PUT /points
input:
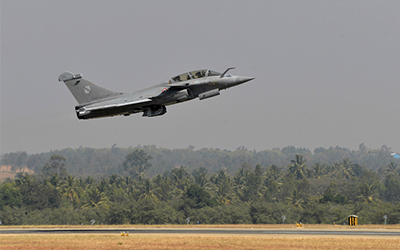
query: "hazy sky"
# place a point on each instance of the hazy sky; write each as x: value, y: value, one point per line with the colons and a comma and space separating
x: 327, y: 72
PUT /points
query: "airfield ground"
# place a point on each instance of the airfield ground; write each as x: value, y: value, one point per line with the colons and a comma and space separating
x: 271, y: 226
x: 201, y: 241
x: 193, y: 242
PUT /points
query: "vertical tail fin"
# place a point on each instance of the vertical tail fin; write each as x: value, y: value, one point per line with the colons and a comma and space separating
x: 83, y: 90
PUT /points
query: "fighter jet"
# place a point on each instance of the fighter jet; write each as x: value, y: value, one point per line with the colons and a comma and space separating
x: 96, y: 102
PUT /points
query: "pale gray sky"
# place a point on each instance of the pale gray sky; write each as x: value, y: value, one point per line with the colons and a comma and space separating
x: 327, y: 72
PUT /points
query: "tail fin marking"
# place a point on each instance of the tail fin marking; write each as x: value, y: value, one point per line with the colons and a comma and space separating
x: 83, y: 90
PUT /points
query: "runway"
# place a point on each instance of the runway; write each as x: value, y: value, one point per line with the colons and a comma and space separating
x: 208, y: 231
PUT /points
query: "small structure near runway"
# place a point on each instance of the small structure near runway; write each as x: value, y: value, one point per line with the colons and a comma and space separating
x: 353, y: 220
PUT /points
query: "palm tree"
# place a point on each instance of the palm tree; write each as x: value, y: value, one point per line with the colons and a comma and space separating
x: 164, y: 186
x: 248, y: 184
x: 113, y: 179
x: 318, y: 171
x: 298, y: 167
x: 347, y: 168
x: 89, y: 182
x: 296, y: 199
x: 148, y: 191
x: 103, y: 186
x: 56, y: 182
x: 71, y: 189
x: 95, y: 198
x: 273, y: 172
x: 200, y: 176
x: 125, y: 183
x: 368, y: 193
x: 240, y: 177
x: 180, y: 178
x: 82, y: 183
x: 221, y: 177
x: 334, y: 170
x: 243, y: 192
x: 23, y: 179
x: 391, y: 168
x: 223, y: 192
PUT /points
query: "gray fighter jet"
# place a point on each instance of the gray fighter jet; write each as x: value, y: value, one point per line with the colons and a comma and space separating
x: 95, y: 101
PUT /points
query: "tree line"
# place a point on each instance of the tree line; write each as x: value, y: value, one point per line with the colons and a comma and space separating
x: 107, y: 161
x: 299, y: 191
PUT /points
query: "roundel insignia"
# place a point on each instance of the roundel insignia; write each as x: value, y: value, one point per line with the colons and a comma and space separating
x: 164, y: 90
x: 87, y: 89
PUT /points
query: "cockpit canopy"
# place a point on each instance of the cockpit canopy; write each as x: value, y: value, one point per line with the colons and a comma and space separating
x: 195, y: 75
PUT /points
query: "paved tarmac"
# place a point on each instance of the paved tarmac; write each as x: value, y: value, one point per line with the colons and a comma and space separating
x: 301, y: 231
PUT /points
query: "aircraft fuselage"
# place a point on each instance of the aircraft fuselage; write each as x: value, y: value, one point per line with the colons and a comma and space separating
x: 95, y: 101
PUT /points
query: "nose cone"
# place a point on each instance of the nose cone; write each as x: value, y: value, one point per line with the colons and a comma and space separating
x: 243, y: 79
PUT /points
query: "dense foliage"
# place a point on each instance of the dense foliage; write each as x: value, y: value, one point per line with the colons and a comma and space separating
x: 149, y: 185
x: 97, y: 163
